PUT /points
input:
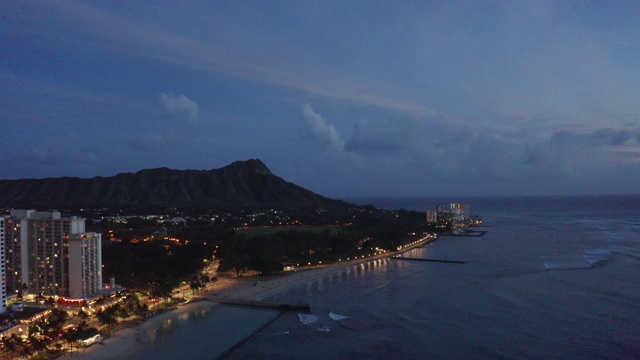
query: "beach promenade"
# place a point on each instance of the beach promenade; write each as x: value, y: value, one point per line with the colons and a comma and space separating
x: 125, y: 342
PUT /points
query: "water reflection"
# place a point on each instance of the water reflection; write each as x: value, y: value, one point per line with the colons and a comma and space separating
x: 167, y: 325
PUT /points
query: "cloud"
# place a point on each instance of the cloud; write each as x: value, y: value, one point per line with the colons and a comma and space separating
x: 221, y: 53
x: 322, y: 130
x: 381, y: 136
x: 600, y: 137
x: 179, y: 106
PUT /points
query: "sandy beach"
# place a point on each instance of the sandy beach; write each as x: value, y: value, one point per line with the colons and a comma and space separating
x: 125, y: 342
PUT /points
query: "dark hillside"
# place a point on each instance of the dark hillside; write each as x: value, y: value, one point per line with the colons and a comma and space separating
x: 241, y: 184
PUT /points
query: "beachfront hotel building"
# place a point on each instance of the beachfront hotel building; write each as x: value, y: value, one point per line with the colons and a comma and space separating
x: 461, y: 211
x: 432, y: 216
x: 3, y: 275
x: 85, y: 261
x: 51, y: 255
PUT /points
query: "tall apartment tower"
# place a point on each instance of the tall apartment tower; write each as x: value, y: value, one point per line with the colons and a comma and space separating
x: 85, y: 263
x: 41, y: 258
x: 3, y: 274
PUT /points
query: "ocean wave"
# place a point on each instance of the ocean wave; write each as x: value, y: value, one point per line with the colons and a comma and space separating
x: 589, y: 259
x: 565, y: 263
x: 307, y: 318
x: 312, y: 321
x: 628, y: 251
x: 337, y: 317
x: 597, y: 256
x: 280, y: 333
x: 612, y: 235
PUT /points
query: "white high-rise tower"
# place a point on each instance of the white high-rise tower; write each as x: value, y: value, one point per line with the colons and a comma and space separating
x: 42, y: 255
x: 3, y: 275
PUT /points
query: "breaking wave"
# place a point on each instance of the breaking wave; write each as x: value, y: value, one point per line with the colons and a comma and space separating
x: 337, y: 317
x: 597, y: 256
x: 280, y: 333
x: 312, y: 321
x: 588, y: 259
x: 307, y: 319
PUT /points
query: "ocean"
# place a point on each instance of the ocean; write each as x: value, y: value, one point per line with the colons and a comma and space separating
x: 553, y: 278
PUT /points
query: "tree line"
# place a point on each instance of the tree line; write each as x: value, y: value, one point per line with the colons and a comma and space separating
x: 160, y: 265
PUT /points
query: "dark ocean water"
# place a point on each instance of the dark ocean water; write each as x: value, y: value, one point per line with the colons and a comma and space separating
x: 553, y: 278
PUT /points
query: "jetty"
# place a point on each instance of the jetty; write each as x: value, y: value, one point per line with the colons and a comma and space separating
x: 282, y: 306
x: 465, y: 233
x: 234, y: 347
x: 429, y: 260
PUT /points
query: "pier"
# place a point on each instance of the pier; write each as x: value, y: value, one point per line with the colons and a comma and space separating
x: 300, y: 306
x: 429, y: 260
x: 234, y: 347
x: 466, y: 233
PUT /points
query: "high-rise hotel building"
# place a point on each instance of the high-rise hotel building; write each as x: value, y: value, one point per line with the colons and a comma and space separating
x: 461, y: 211
x: 3, y: 274
x: 51, y: 255
x: 85, y: 264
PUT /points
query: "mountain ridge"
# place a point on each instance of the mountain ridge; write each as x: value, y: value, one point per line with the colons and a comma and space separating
x: 240, y: 184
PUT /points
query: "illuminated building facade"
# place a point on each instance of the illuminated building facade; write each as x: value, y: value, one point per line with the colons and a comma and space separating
x: 444, y: 216
x: 85, y: 261
x: 38, y: 255
x: 432, y: 216
x: 3, y: 273
x: 461, y: 211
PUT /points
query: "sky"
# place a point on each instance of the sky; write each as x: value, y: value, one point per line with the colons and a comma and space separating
x: 345, y: 98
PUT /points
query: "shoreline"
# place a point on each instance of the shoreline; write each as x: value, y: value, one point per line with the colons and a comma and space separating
x: 127, y: 341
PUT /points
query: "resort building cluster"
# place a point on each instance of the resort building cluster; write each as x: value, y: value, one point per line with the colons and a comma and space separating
x: 452, y: 216
x: 49, y: 262
x: 47, y: 254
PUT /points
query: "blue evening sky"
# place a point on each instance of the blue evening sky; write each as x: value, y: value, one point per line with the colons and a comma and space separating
x: 345, y: 98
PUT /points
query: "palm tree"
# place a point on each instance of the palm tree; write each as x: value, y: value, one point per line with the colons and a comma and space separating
x: 107, y: 318
x: 18, y: 342
x: 69, y: 337
x: 141, y: 310
x: 121, y: 311
x: 8, y: 346
x: 83, y: 331
x: 83, y: 315
x: 54, y: 323
x: 83, y: 327
x: 129, y: 302
x: 204, y: 279
x: 50, y: 302
x: 33, y: 341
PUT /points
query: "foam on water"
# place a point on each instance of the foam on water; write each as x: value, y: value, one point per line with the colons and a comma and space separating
x: 565, y: 262
x: 597, y: 256
x: 589, y: 259
x: 312, y: 321
x: 280, y: 333
x: 594, y: 260
x: 337, y: 317
x: 307, y: 318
